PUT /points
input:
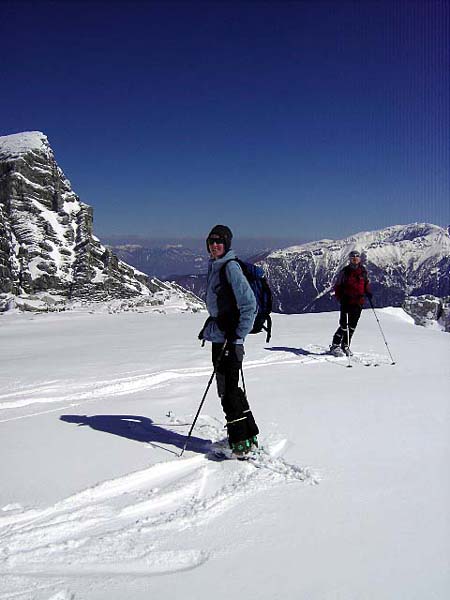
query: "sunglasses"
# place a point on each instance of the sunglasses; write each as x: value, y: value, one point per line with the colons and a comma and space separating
x: 216, y: 240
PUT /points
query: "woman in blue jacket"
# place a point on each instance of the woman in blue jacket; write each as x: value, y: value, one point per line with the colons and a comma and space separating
x: 232, y: 308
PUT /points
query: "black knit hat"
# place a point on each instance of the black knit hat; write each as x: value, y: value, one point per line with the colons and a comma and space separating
x: 223, y: 232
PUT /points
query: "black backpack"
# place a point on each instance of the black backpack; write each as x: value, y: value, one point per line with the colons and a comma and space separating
x: 263, y: 295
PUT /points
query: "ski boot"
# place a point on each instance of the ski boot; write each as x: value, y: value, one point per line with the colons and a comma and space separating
x: 346, y: 350
x: 336, y: 350
x: 242, y: 449
x: 254, y: 441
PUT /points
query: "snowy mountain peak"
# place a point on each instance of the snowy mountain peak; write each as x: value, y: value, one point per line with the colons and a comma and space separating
x: 366, y: 240
x: 15, y: 145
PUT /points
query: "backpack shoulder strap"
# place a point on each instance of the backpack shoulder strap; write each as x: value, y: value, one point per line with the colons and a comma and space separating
x: 223, y: 271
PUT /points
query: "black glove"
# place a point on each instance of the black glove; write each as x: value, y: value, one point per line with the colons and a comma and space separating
x: 200, y: 335
x: 369, y: 295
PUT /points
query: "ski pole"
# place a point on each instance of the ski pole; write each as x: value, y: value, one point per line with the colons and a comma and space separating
x: 348, y: 343
x: 379, y: 325
x: 219, y: 358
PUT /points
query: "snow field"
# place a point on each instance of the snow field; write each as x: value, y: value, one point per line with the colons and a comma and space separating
x: 94, y: 410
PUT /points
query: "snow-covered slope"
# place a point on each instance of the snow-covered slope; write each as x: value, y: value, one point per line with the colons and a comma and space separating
x: 95, y: 502
x: 46, y: 233
x: 403, y: 260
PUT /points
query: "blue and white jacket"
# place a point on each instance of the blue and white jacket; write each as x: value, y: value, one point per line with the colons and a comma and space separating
x: 245, y: 298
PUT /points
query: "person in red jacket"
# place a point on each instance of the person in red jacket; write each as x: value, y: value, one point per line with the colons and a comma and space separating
x: 351, y: 286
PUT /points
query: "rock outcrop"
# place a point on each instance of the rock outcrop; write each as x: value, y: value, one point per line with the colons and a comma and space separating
x: 47, y: 244
x: 429, y: 311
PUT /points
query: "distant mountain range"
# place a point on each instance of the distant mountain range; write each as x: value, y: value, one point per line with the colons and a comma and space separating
x: 173, y: 259
x: 47, y: 245
x: 402, y: 261
x: 166, y: 262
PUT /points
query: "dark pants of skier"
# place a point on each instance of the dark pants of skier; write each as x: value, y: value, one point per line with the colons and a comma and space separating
x: 240, y: 422
x: 352, y: 312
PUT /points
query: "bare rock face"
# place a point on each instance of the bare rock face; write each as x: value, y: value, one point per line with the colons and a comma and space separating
x: 429, y: 311
x: 46, y: 233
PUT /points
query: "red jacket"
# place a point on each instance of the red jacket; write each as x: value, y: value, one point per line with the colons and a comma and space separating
x: 351, y: 285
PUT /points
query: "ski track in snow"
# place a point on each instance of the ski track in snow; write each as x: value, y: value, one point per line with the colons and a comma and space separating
x: 132, y: 525
x: 58, y: 391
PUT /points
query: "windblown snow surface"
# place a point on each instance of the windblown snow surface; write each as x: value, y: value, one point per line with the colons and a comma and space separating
x: 95, y: 503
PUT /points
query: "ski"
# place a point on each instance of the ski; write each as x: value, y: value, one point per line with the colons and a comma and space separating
x: 365, y: 362
x: 353, y: 358
x: 221, y: 451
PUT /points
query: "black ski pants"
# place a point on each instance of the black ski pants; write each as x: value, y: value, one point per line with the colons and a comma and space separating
x: 350, y: 314
x: 240, y: 422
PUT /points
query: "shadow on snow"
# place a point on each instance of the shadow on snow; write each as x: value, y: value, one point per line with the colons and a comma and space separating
x: 303, y: 352
x: 296, y: 351
x: 139, y: 429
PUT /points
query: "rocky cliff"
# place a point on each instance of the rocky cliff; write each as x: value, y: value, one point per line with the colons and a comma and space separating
x: 47, y: 243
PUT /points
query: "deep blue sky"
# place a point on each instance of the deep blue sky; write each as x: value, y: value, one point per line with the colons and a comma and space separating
x: 311, y: 119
